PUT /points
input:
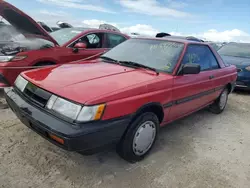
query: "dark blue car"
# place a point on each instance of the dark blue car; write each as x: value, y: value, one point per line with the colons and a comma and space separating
x: 238, y: 54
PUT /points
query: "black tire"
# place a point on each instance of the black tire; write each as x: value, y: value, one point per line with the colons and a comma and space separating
x: 216, y: 108
x: 125, y: 148
x: 87, y: 152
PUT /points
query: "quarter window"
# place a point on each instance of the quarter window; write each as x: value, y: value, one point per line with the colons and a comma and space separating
x: 202, y: 55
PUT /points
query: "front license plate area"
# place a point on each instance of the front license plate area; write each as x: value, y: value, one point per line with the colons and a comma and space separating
x: 38, y: 130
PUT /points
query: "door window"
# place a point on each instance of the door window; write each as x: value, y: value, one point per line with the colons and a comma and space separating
x: 93, y: 40
x: 202, y: 55
x: 114, y: 39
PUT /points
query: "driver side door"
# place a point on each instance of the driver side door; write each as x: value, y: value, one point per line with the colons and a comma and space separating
x: 192, y: 92
x: 94, y: 48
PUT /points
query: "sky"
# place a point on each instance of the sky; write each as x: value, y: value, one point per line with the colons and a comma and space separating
x: 216, y: 20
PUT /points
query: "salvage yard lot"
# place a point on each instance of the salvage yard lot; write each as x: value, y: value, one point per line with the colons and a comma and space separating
x: 202, y: 150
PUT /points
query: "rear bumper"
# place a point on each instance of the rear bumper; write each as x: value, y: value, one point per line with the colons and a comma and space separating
x: 84, y: 137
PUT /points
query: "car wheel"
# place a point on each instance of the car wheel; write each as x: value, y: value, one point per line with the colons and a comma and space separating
x: 139, y: 138
x: 219, y: 105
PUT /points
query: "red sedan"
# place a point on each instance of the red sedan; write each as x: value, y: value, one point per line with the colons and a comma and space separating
x: 123, y: 97
x: 36, y: 47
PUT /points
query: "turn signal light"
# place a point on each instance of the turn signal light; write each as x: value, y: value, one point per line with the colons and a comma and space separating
x: 56, y: 138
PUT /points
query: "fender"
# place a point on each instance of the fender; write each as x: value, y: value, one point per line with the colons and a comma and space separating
x: 155, y: 107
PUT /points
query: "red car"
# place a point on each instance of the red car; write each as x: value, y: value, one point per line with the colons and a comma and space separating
x: 124, y: 96
x: 36, y: 47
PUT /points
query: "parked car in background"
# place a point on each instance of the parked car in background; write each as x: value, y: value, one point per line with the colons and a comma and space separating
x: 35, y: 47
x: 238, y: 54
x: 216, y: 45
x: 61, y: 25
x: 123, y: 97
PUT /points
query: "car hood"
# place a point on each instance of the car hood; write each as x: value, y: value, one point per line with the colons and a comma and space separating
x: 86, y: 82
x: 238, y: 61
x: 10, y: 48
x: 23, y: 23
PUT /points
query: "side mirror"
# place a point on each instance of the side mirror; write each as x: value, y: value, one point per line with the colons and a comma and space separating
x: 80, y: 45
x: 191, y: 68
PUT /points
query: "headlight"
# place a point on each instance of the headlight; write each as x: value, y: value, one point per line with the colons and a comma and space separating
x: 18, y: 57
x: 63, y: 107
x: 90, y: 113
x: 21, y: 83
x: 75, y: 111
x: 248, y: 68
x: 5, y: 58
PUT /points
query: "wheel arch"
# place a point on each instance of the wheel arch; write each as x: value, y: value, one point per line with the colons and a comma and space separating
x: 154, y: 107
x: 230, y: 87
x: 44, y: 62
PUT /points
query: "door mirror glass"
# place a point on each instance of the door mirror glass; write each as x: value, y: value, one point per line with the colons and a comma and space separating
x: 191, y: 68
x: 80, y: 45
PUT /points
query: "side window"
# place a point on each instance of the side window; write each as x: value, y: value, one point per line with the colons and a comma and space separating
x: 114, y: 39
x: 93, y: 40
x: 213, y: 61
x: 201, y: 55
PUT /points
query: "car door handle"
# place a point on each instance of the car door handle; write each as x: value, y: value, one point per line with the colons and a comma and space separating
x: 211, y: 77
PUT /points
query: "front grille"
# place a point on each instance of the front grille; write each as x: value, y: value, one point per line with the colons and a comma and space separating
x: 36, y: 95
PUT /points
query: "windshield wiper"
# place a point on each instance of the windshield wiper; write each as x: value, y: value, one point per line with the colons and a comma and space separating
x: 109, y: 59
x: 139, y: 65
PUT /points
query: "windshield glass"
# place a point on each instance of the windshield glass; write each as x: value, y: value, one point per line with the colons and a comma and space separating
x: 64, y: 35
x: 158, y: 54
x: 235, y: 49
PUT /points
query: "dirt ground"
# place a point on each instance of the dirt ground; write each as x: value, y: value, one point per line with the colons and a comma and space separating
x: 201, y: 151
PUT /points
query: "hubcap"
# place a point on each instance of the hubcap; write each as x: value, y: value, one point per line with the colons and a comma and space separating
x: 144, y: 138
x: 223, y: 99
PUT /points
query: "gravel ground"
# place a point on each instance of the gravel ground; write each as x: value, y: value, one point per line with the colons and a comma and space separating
x: 203, y: 150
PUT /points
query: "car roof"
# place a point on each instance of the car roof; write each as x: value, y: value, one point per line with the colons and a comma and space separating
x: 86, y: 29
x: 173, y: 39
x: 190, y: 38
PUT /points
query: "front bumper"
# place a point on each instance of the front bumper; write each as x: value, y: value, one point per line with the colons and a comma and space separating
x: 85, y: 137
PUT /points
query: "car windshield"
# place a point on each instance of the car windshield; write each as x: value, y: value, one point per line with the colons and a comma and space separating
x: 159, y: 54
x: 236, y: 49
x: 64, y: 35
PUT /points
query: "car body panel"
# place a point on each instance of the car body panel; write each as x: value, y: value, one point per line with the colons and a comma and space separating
x: 54, y: 55
x: 111, y: 84
x: 188, y: 85
x: 127, y: 90
x: 96, y: 79
x: 37, y: 53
